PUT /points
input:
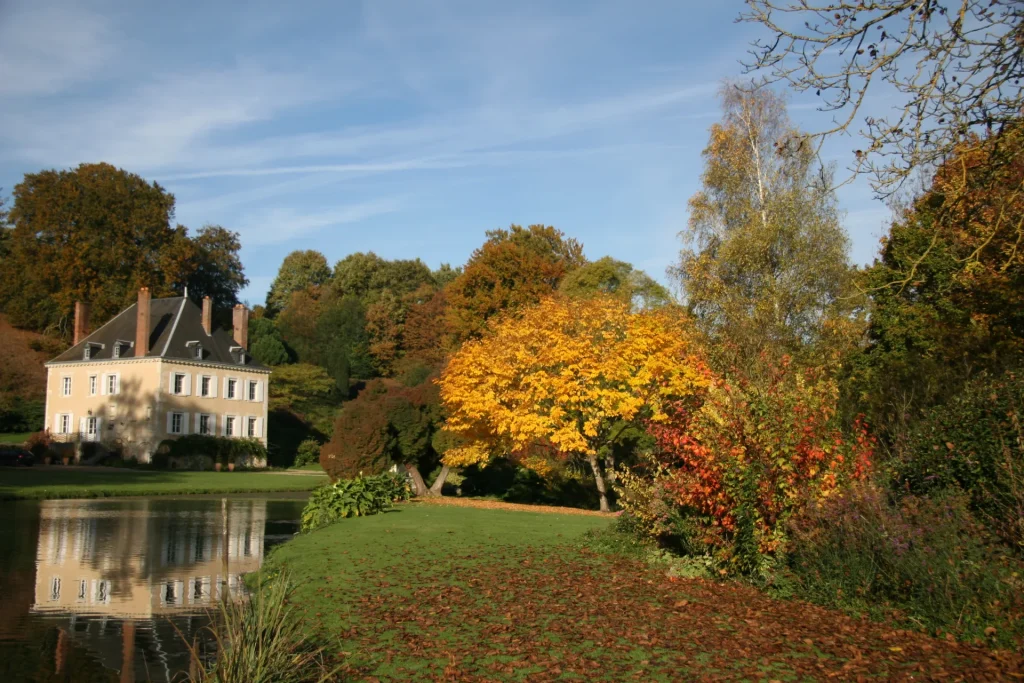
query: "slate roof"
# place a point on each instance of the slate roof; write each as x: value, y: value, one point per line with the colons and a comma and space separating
x: 173, y: 322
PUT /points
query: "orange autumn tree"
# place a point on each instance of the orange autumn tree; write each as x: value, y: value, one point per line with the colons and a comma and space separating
x: 566, y: 377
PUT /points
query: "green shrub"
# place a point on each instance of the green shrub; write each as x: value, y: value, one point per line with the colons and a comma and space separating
x: 307, y: 453
x: 927, y: 559
x: 269, y: 350
x: 19, y: 414
x: 357, y: 497
x: 39, y: 444
x: 504, y: 479
x: 194, y: 448
x: 89, y: 450
x: 975, y: 442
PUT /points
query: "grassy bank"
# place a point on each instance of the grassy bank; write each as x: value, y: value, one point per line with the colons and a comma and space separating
x: 16, y: 438
x: 73, y: 482
x: 431, y: 592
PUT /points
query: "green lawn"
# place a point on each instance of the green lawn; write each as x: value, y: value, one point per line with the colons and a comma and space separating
x: 17, y: 437
x: 73, y: 482
x: 450, y: 593
x: 311, y: 467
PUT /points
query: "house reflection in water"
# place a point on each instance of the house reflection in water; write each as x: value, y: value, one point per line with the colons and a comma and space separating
x: 146, y: 568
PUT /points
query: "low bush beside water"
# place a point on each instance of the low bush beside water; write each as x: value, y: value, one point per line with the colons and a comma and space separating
x: 356, y: 497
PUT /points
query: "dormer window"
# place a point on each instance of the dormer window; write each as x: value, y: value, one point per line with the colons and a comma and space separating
x: 238, y: 353
x: 120, y: 346
x: 90, y: 349
x: 195, y: 349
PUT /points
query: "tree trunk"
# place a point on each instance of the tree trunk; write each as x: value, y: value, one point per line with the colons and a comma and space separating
x: 419, y: 487
x: 599, y: 480
x: 609, y: 467
x: 435, y: 488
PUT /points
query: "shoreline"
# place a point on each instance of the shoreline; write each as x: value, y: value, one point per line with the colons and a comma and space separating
x: 54, y: 483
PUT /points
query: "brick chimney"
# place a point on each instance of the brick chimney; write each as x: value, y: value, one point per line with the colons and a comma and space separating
x: 142, y: 324
x: 208, y: 315
x: 81, y: 321
x: 240, y: 320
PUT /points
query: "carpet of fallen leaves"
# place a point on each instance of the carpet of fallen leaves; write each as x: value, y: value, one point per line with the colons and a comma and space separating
x: 484, y: 504
x: 565, y: 613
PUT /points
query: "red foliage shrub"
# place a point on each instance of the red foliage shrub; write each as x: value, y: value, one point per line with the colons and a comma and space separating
x: 740, y: 459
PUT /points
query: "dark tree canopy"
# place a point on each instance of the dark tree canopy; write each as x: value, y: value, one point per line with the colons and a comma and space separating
x: 297, y: 323
x: 97, y: 233
x: 949, y: 322
x: 342, y: 342
x: 618, y: 279
x: 387, y: 424
x: 214, y: 269
x: 514, y: 267
x: 367, y: 276
x: 299, y: 270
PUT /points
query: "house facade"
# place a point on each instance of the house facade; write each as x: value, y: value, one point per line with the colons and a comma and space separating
x: 158, y: 370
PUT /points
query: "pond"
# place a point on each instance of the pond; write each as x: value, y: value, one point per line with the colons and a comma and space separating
x: 112, y: 589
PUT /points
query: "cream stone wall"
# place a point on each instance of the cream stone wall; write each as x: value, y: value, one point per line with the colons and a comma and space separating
x: 191, y: 404
x: 128, y: 414
x: 148, y: 405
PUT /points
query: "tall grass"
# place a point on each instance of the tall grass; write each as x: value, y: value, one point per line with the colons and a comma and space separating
x: 260, y: 640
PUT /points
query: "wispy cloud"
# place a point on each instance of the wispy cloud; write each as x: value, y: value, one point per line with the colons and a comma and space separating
x: 46, y: 47
x: 281, y: 224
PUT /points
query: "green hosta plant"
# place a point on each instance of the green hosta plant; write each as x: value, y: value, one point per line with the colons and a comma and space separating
x: 353, y: 498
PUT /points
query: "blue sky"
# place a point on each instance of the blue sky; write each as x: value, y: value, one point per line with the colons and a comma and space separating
x: 405, y: 128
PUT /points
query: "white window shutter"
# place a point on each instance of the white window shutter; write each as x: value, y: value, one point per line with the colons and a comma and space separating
x: 224, y: 427
x: 184, y: 423
x: 213, y: 386
x: 195, y: 422
x: 199, y: 385
x: 188, y: 385
x: 225, y: 387
x: 81, y: 426
x: 213, y: 425
x: 259, y: 391
x: 170, y: 416
x: 99, y: 429
x: 259, y: 427
x: 170, y: 382
x: 117, y: 382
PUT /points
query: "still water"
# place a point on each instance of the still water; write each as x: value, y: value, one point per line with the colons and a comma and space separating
x: 112, y: 589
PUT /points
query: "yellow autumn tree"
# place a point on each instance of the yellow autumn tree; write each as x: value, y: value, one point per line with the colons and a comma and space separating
x: 567, y: 377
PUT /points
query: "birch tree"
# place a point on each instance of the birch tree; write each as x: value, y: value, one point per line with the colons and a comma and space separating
x: 764, y: 268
